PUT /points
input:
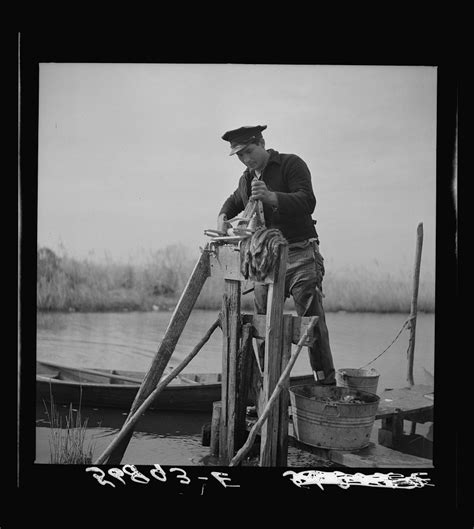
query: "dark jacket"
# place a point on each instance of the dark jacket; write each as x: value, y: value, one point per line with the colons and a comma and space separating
x: 289, y: 177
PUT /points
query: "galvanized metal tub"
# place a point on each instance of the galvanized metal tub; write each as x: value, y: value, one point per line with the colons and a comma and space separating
x: 321, y: 418
x: 361, y: 379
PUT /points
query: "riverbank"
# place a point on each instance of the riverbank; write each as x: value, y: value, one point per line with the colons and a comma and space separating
x: 65, y: 284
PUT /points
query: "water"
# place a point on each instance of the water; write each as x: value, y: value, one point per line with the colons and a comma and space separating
x: 130, y: 340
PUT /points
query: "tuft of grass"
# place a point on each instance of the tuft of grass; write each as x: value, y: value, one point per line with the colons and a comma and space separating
x: 67, y: 440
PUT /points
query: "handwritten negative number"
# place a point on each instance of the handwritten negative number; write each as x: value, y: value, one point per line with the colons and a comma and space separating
x: 131, y: 470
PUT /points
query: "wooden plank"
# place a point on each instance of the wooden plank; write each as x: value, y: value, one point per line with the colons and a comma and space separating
x: 244, y: 376
x: 215, y: 427
x: 372, y: 456
x: 231, y: 315
x: 259, y: 322
x: 282, y: 446
x: 391, y: 431
x: 225, y: 380
x: 272, y: 368
x: 378, y: 456
x: 175, y: 327
x: 225, y: 262
x: 405, y: 401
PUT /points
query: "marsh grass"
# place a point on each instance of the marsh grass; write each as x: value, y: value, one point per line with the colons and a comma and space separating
x: 67, y: 442
x: 68, y: 285
x: 361, y: 290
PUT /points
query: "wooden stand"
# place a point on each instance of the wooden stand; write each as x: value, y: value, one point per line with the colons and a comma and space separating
x: 279, y: 331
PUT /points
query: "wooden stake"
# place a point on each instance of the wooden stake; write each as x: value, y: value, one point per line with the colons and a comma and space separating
x: 270, y: 404
x: 231, y: 339
x: 282, y: 446
x: 173, y: 332
x: 132, y: 419
x: 244, y: 373
x: 272, y: 364
x: 414, y: 304
x: 215, y: 427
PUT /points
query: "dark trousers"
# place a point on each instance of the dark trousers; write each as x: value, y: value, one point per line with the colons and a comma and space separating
x: 304, y: 275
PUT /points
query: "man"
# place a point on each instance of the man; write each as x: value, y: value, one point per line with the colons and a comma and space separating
x: 282, y: 182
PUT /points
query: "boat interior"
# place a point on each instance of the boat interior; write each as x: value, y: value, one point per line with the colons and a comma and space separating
x: 114, y: 376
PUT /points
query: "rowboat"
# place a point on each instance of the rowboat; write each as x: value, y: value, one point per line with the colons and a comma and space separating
x: 103, y: 388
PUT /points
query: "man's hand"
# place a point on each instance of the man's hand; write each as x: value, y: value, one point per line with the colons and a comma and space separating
x: 223, y: 224
x: 261, y: 192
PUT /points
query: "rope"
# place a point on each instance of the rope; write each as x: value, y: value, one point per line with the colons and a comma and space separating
x: 259, y: 252
x: 407, y: 322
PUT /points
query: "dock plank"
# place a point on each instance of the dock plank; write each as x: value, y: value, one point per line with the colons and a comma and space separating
x: 372, y: 456
x: 405, y: 401
x: 378, y: 456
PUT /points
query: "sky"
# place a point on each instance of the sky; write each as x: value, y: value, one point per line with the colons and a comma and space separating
x: 130, y: 156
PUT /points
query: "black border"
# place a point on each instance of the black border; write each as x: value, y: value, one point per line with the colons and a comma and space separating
x: 46, y: 481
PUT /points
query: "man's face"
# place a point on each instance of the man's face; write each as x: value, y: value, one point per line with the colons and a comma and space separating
x: 253, y: 156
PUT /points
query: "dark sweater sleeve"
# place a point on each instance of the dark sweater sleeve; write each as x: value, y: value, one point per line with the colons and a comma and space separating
x: 233, y: 205
x: 300, y: 199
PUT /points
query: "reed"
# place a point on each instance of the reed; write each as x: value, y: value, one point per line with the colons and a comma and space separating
x: 67, y: 440
x: 67, y: 284
x: 362, y: 290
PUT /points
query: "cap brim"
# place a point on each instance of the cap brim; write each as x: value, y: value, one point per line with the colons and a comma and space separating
x: 237, y: 148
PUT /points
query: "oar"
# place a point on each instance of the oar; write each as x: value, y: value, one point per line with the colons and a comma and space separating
x: 131, y: 421
x: 276, y: 392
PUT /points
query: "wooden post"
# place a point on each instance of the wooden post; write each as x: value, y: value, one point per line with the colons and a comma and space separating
x: 215, y: 427
x: 272, y: 368
x: 231, y: 336
x: 244, y: 374
x: 414, y: 304
x: 282, y: 446
x: 391, y: 431
x: 175, y: 327
x: 263, y: 419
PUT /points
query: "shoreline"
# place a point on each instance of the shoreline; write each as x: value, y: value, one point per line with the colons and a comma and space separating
x: 171, y: 308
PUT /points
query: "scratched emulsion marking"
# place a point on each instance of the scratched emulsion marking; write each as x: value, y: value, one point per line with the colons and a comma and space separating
x: 391, y: 480
x: 156, y: 472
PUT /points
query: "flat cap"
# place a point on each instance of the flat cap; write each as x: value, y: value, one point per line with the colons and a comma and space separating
x: 241, y: 137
